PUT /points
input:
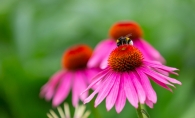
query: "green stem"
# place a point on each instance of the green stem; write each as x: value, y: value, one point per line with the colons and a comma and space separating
x: 139, y: 111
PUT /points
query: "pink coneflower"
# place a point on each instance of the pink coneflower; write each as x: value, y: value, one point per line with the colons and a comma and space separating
x: 125, y: 28
x: 127, y: 76
x: 74, y: 75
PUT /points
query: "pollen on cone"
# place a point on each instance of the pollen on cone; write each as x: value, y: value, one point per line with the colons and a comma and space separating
x: 125, y: 28
x: 125, y: 58
x: 76, y: 57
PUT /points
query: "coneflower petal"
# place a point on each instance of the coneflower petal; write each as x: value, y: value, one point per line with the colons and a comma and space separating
x: 82, y: 84
x: 75, y: 91
x: 97, y: 89
x: 155, y: 75
x: 149, y: 103
x: 112, y: 96
x: 107, y: 85
x: 161, y: 77
x: 150, y: 93
x: 140, y: 91
x: 121, y: 99
x: 172, y: 80
x: 130, y: 91
x: 148, y: 51
x: 104, y: 62
x: 99, y: 53
x: 162, y: 84
x: 159, y: 66
x: 63, y: 89
x: 97, y: 78
x: 48, y: 89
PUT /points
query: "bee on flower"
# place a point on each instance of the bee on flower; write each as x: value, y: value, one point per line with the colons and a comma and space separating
x: 128, y: 29
x: 74, y: 76
x: 127, y: 76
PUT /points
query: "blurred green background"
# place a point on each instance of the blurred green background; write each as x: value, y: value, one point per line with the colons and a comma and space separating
x: 35, y: 33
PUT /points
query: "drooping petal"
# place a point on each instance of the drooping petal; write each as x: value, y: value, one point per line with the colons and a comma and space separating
x: 121, y: 99
x: 149, y: 103
x: 90, y: 97
x: 97, y: 78
x: 130, y: 91
x: 160, y: 66
x: 112, y: 96
x: 49, y: 88
x: 161, y: 71
x: 75, y: 92
x: 82, y: 80
x: 107, y: 85
x: 63, y: 89
x: 172, y: 80
x: 140, y: 91
x: 150, y: 93
x: 162, y: 84
x: 99, y: 53
x: 148, y: 51
x: 104, y: 80
x: 161, y: 77
x: 104, y: 62
x: 79, y: 85
x: 90, y: 73
x: 155, y: 75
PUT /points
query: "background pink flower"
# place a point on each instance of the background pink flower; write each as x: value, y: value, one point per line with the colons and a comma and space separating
x: 74, y: 75
x: 124, y: 28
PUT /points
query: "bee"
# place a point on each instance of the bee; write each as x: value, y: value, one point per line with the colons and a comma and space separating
x: 124, y: 40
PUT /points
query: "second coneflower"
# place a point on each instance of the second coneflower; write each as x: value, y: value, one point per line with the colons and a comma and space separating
x: 127, y: 76
x: 74, y: 75
x: 123, y: 29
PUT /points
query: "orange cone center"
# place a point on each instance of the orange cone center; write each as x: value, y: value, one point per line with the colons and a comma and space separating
x: 125, y: 58
x: 76, y: 57
x: 128, y: 28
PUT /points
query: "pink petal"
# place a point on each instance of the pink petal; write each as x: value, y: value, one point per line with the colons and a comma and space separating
x: 140, y: 91
x: 148, y: 51
x: 121, y: 99
x: 160, y: 66
x: 82, y: 80
x: 149, y: 103
x: 170, y: 79
x: 160, y: 77
x: 106, y: 86
x: 99, y: 53
x: 88, y: 99
x: 79, y: 85
x: 90, y: 73
x: 155, y: 75
x: 162, y: 85
x: 150, y: 93
x: 112, y: 96
x: 48, y: 89
x: 63, y: 89
x: 104, y: 63
x: 97, y: 78
x: 130, y: 91
x: 161, y: 71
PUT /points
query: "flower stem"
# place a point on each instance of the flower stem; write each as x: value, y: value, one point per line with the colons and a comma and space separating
x: 139, y: 111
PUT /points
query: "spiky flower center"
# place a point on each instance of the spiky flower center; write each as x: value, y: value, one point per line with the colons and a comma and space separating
x: 76, y: 57
x: 125, y: 28
x: 124, y: 58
